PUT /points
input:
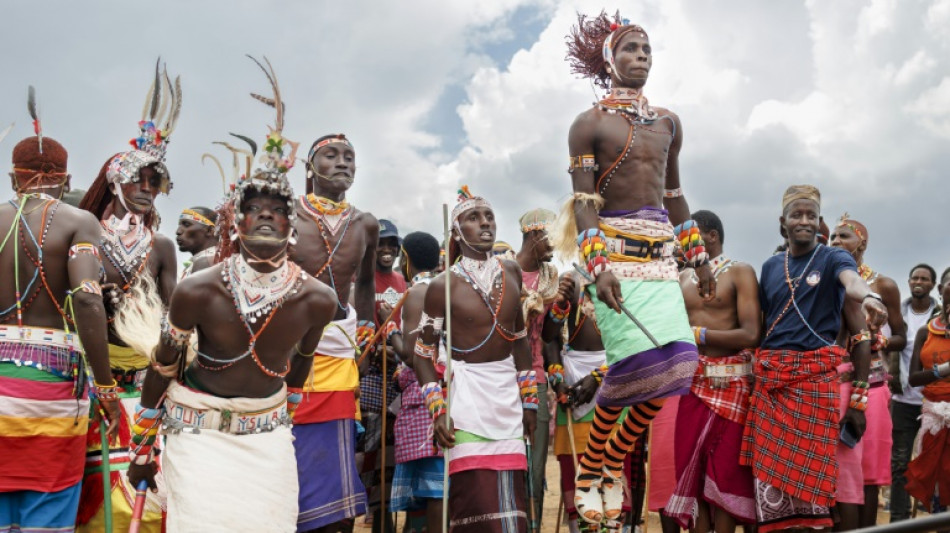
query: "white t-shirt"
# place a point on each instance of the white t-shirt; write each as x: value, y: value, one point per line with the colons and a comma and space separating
x: 911, y: 395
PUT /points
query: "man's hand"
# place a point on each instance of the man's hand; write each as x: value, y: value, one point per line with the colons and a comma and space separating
x: 444, y: 436
x: 856, y: 419
x: 110, y: 409
x: 707, y: 283
x: 530, y: 423
x: 608, y: 290
x: 385, y: 310
x: 874, y: 312
x: 147, y: 472
x: 585, y: 390
x: 565, y: 290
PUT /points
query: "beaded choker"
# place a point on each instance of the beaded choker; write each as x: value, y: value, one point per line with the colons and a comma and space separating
x: 329, y: 212
x: 128, y: 250
x: 629, y: 101
x: 938, y: 328
x: 422, y: 277
x: 255, y: 293
x: 866, y: 273
x: 482, y: 275
x: 719, y: 265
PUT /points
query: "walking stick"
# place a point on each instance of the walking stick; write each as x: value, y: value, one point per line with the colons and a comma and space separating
x: 560, y: 513
x: 646, y: 487
x: 448, y: 369
x: 106, y: 474
x: 139, y: 507
x: 531, y: 514
x: 382, y: 463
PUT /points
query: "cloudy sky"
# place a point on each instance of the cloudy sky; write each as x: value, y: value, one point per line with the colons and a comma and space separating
x: 852, y: 96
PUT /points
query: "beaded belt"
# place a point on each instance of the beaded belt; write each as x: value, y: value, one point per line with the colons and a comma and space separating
x: 49, y: 350
x: 733, y: 370
x: 181, y: 418
x: 641, y: 249
x: 130, y: 378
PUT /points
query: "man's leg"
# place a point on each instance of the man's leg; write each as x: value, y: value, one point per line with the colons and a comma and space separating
x: 539, y: 451
x: 906, y: 425
x: 617, y: 448
x: 434, y: 516
x: 590, y: 466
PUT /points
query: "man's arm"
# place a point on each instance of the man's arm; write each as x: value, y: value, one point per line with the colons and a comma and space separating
x: 858, y: 292
x: 365, y: 290
x: 411, y: 313
x: 434, y: 308
x: 580, y: 142
x: 167, y: 267
x: 748, y: 312
x: 892, y: 301
x: 860, y: 358
x: 321, y: 308
x: 677, y: 207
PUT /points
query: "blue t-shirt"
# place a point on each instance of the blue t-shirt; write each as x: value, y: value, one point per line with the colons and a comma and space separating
x: 818, y: 294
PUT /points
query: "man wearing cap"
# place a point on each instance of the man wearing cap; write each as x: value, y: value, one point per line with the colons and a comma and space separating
x: 792, y: 426
x: 195, y: 235
x: 44, y: 393
x: 390, y: 287
x: 539, y: 284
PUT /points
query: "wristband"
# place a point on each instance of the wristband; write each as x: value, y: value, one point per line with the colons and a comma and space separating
x: 364, y: 332
x: 872, y: 294
x: 941, y: 370
x: 144, y: 433
x: 879, y: 342
x: 424, y: 350
x: 555, y: 374
x: 435, y: 403
x: 862, y: 336
x: 859, y: 395
x: 700, y: 335
x: 694, y: 248
x: 593, y: 245
x: 107, y: 392
x: 391, y: 329
x: 294, y: 397
x: 558, y: 314
x: 599, y: 373
x: 528, y: 383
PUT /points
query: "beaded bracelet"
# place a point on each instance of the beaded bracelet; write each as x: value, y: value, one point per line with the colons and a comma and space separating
x: 593, y: 245
x: 555, y: 374
x: 432, y: 392
x: 424, y: 350
x: 558, y: 313
x: 942, y: 370
x: 391, y: 329
x: 144, y: 433
x: 528, y: 383
x: 694, y: 248
x: 879, y: 343
x: 294, y: 397
x: 175, y: 337
x: 599, y: 373
x: 107, y: 392
x: 862, y: 336
x: 859, y: 395
x: 365, y: 329
x: 700, y: 335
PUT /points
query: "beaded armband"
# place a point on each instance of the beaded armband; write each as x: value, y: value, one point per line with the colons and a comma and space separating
x: 558, y: 314
x: 435, y: 403
x: 424, y: 350
x: 294, y: 397
x: 859, y: 395
x: 599, y: 373
x: 427, y: 320
x: 89, y: 285
x: 390, y: 330
x: 586, y: 162
x: 862, y: 336
x: 555, y: 374
x: 365, y: 330
x: 593, y: 245
x: 673, y: 193
x: 175, y: 337
x: 301, y: 354
x: 144, y: 433
x: 699, y: 334
x: 83, y: 248
x: 694, y: 249
x: 528, y: 383
x: 107, y: 393
x: 942, y: 370
x: 878, y: 342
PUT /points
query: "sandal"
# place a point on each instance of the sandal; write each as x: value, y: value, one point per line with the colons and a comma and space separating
x: 612, y: 489
x: 587, y: 499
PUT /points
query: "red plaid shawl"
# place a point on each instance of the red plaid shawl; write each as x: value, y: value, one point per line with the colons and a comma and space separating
x: 792, y: 430
x: 730, y: 401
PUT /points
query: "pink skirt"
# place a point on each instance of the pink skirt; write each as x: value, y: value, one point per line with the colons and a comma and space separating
x: 850, y: 469
x: 877, y: 440
x: 662, y: 459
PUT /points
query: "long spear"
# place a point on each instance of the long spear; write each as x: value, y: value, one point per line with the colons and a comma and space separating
x: 448, y: 367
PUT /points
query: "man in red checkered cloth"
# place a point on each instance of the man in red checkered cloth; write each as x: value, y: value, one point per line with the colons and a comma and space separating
x: 793, y: 424
x: 712, y: 488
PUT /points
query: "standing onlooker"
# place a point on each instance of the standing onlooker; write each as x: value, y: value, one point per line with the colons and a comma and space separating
x: 905, y: 404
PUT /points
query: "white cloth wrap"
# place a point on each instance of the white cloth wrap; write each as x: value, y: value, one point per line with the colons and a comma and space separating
x: 222, y: 482
x: 579, y: 364
x: 663, y: 268
x: 486, y: 399
x: 339, y: 336
x: 934, y: 417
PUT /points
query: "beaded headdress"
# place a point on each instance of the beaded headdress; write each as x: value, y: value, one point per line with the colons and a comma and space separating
x: 466, y: 201
x: 536, y: 219
x: 270, y: 177
x: 858, y: 228
x: 159, y: 119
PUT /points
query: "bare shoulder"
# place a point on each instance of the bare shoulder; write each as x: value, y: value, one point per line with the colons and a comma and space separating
x: 367, y: 220
x: 319, y: 296
x: 664, y: 112
x: 199, y: 286
x: 743, y: 271
x: 586, y: 121
x: 512, y: 267
x: 163, y: 244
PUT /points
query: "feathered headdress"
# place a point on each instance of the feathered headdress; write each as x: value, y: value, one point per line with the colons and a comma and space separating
x: 590, y: 46
x: 271, y: 177
x: 466, y: 201
x: 159, y: 119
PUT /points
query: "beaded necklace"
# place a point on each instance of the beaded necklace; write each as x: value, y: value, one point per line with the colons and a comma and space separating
x: 329, y: 212
x: 258, y: 293
x: 720, y: 265
x: 938, y: 328
x: 792, y: 287
x: 49, y: 207
x: 483, y: 277
x: 423, y: 277
x: 128, y: 252
x: 316, y: 211
x: 18, y: 224
x: 867, y: 274
x: 234, y: 283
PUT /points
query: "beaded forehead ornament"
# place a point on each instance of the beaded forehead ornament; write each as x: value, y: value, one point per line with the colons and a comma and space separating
x: 159, y: 119
x: 466, y: 202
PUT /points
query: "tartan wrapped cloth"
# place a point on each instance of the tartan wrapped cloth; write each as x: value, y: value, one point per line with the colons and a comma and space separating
x: 792, y: 427
x: 728, y: 397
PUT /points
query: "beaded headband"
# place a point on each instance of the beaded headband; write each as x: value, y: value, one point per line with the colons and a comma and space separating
x: 858, y: 228
x: 536, y: 219
x: 617, y: 31
x: 466, y: 202
x: 194, y: 216
x: 339, y: 138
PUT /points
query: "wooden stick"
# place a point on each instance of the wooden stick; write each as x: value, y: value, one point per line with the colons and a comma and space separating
x: 382, y: 327
x: 646, y: 487
x: 560, y: 513
x: 139, y: 507
x: 106, y: 472
x: 382, y: 460
x: 448, y: 366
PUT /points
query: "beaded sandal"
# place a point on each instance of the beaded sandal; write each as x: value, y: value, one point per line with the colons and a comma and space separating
x: 587, y: 499
x: 612, y: 490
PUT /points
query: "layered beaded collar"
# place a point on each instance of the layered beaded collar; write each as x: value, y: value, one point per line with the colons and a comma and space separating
x: 629, y: 101
x: 331, y: 213
x: 256, y: 293
x: 422, y: 277
x: 126, y: 247
x: 482, y: 275
x: 719, y: 265
x: 867, y: 273
x: 938, y: 328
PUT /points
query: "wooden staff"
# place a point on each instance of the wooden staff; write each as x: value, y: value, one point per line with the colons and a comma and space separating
x: 382, y: 327
x: 448, y: 366
x: 646, y: 488
x: 139, y: 507
x: 382, y: 461
x: 106, y: 473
